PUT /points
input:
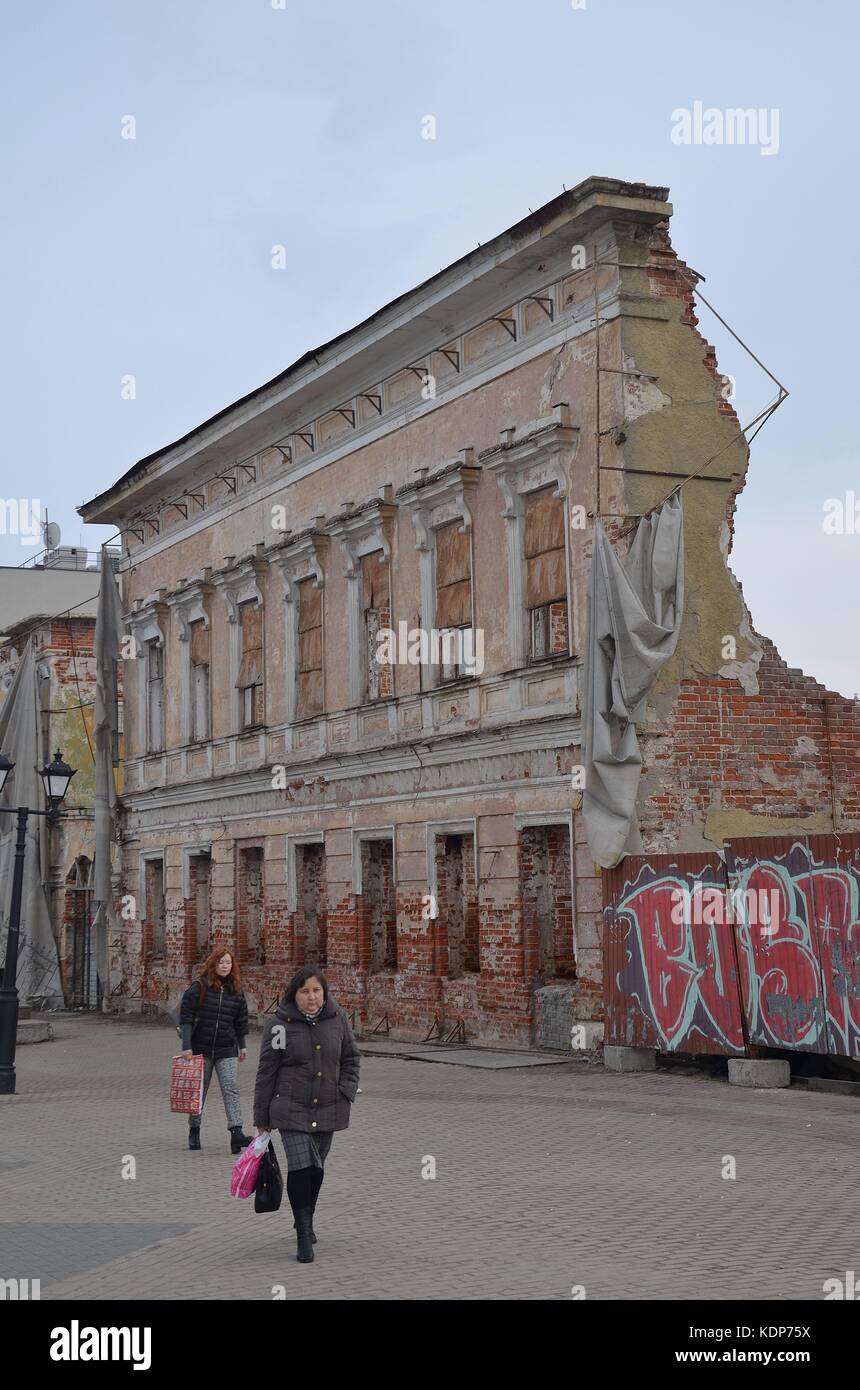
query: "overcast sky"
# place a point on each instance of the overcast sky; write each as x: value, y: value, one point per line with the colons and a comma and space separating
x: 301, y: 125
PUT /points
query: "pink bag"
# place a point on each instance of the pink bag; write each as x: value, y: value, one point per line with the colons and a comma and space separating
x: 243, y: 1179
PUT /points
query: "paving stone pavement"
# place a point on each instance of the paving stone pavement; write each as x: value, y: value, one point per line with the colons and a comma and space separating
x: 546, y: 1178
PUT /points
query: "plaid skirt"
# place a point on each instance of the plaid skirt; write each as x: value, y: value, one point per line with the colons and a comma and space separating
x: 306, y: 1150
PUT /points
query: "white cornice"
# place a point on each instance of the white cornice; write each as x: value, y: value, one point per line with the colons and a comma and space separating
x: 445, y: 496
x: 239, y: 582
x: 301, y: 558
x: 545, y: 442
x: 362, y: 531
x: 148, y: 622
x: 190, y: 603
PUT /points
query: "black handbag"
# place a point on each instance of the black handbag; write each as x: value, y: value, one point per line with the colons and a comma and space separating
x: 270, y: 1185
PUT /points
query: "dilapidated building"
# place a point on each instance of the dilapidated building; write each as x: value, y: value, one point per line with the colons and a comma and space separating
x: 358, y: 604
x: 49, y: 605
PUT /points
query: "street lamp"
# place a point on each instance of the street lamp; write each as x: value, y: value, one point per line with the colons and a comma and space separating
x: 56, y: 777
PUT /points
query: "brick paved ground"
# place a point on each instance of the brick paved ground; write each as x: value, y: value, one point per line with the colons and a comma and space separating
x: 547, y: 1177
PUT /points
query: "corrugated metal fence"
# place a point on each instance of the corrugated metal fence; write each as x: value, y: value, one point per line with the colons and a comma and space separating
x: 703, y: 954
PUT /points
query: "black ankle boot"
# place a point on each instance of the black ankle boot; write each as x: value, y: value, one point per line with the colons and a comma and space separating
x: 194, y: 1136
x: 238, y: 1140
x: 313, y: 1232
x: 304, y: 1244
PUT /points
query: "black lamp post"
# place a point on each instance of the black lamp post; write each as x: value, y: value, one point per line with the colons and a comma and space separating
x: 56, y: 777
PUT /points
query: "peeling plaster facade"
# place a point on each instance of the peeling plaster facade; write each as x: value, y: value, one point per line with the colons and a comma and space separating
x: 473, y: 400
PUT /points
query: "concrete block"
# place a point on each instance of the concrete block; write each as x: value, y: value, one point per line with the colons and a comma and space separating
x: 585, y: 1036
x: 33, y: 1030
x: 629, y: 1058
x: 835, y: 1087
x: 749, y: 1071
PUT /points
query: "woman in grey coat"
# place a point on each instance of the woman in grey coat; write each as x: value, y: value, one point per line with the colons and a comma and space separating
x: 307, y: 1081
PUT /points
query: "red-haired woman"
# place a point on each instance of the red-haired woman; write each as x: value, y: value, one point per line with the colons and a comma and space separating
x: 213, y: 1017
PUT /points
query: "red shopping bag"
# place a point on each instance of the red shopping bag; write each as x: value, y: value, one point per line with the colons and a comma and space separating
x: 186, y: 1085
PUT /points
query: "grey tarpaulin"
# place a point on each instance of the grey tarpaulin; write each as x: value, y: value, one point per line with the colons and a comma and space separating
x: 38, y: 974
x: 109, y: 634
x: 635, y: 607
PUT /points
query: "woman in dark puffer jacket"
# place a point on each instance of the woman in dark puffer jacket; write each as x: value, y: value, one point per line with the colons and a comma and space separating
x: 307, y: 1081
x: 213, y: 1018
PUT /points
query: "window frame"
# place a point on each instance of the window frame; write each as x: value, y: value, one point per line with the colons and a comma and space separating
x: 542, y: 456
x: 439, y: 499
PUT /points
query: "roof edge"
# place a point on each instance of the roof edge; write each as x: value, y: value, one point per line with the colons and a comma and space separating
x: 567, y: 206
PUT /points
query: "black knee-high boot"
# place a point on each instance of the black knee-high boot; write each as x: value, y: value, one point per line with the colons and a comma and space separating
x: 316, y: 1179
x: 299, y: 1195
x: 317, y: 1176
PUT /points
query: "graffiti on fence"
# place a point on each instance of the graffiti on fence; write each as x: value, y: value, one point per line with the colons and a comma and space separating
x: 706, y: 956
x: 801, y: 983
x: 671, y: 973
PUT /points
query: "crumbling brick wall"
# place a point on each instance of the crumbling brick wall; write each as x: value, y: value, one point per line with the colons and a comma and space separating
x: 250, y: 905
x: 197, y: 926
x: 545, y: 891
x: 377, y: 916
x: 456, y: 923
x: 670, y: 276
x: 310, y: 920
x: 154, y: 941
x: 789, y: 753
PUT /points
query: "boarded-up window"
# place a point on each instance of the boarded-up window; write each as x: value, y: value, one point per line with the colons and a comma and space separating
x: 376, y: 604
x: 199, y: 681
x: 155, y: 696
x: 453, y: 599
x: 250, y: 678
x: 546, y: 574
x: 309, y: 699
x: 453, y: 577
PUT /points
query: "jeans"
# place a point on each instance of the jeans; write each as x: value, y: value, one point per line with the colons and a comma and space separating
x: 227, y: 1071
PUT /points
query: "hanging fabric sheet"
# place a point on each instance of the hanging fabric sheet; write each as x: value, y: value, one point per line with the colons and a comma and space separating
x: 38, y: 973
x: 635, y: 608
x: 109, y: 634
